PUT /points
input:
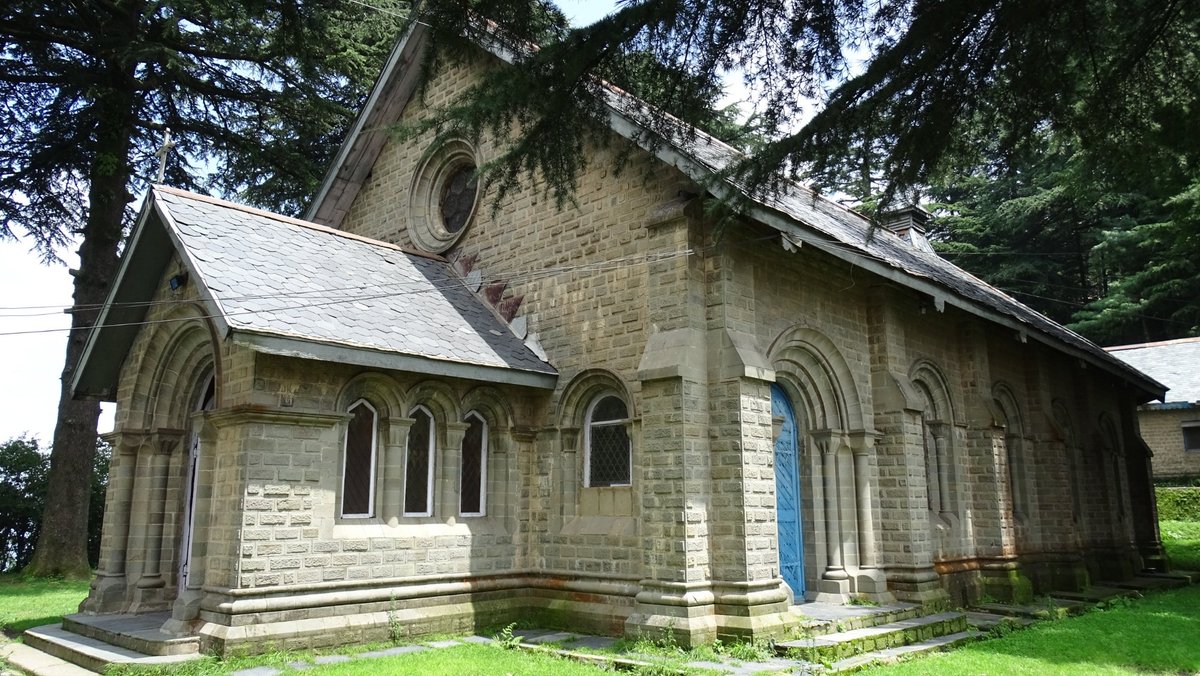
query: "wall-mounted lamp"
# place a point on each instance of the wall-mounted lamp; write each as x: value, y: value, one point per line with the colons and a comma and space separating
x: 178, y: 281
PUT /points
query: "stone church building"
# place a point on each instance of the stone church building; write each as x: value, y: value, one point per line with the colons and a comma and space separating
x: 408, y: 411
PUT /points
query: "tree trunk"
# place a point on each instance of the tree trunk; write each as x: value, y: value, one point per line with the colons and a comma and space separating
x: 62, y: 546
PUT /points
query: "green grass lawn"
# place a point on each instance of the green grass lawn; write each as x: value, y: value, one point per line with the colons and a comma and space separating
x: 1182, y: 541
x: 1160, y: 633
x: 32, y: 603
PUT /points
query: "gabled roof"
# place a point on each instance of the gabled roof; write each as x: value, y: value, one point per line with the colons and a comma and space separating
x: 795, y: 210
x: 1176, y: 363
x: 287, y: 286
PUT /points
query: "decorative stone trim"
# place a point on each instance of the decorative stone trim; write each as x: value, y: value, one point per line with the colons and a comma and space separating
x: 442, y: 166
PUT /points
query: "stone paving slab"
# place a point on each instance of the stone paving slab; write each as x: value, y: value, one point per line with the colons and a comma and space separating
x: 593, y: 643
x: 1093, y: 594
x: 332, y: 659
x: 450, y: 643
x: 554, y: 637
x: 477, y: 639
x: 398, y: 650
x: 258, y: 671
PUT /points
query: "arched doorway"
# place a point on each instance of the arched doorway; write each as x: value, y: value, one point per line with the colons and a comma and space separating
x: 204, y: 403
x: 787, y: 491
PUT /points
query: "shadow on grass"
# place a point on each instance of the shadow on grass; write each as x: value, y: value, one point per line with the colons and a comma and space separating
x: 1159, y: 633
x: 15, y: 629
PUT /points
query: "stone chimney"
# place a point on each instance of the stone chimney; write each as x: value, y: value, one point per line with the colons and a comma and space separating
x: 909, y: 223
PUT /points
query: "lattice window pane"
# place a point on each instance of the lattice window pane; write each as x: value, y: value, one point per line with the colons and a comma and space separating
x: 471, y: 501
x: 458, y: 198
x: 608, y: 464
x: 357, y: 474
x: 417, y: 466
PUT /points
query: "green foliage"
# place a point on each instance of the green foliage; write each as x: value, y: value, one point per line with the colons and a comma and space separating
x: 1178, y: 504
x: 1107, y: 72
x: 262, y: 91
x: 24, y: 468
x: 506, y: 639
x: 1181, y: 539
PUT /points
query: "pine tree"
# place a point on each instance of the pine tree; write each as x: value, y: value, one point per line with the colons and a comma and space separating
x: 257, y: 95
x: 933, y: 70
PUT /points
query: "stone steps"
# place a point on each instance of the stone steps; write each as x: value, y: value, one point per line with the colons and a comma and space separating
x: 891, y: 655
x: 841, y: 645
x: 1054, y: 608
x: 830, y: 618
x: 139, y: 633
x: 985, y: 621
x: 1144, y: 583
x: 91, y: 653
x: 1094, y: 594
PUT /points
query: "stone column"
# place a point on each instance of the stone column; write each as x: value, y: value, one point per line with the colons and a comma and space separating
x: 391, y: 478
x: 870, y: 580
x: 834, y: 584
x: 941, y: 502
x: 449, y: 476
x: 107, y: 593
x: 148, y: 594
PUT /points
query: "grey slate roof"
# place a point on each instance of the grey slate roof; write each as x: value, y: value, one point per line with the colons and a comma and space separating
x: 1175, y: 363
x: 291, y: 287
x: 795, y: 210
x: 284, y: 277
x: 844, y: 232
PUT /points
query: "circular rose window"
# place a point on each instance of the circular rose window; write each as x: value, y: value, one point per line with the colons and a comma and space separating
x: 444, y: 196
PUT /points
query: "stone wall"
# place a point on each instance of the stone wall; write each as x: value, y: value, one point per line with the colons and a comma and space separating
x: 1163, y: 431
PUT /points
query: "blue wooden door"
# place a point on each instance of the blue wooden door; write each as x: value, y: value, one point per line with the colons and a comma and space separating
x: 787, y: 493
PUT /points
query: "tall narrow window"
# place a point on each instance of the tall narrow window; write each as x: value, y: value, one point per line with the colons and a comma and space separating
x: 609, y: 455
x: 358, y: 466
x: 473, y: 488
x: 418, y: 465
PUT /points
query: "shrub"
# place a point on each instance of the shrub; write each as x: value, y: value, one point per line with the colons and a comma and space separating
x: 1178, y: 504
x: 24, y: 468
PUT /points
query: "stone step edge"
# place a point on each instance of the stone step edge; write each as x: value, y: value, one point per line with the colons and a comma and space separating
x: 822, y: 627
x: 1074, y: 607
x: 30, y: 660
x: 848, y: 643
x: 91, y: 653
x: 168, y: 646
x: 893, y: 655
x: 990, y: 620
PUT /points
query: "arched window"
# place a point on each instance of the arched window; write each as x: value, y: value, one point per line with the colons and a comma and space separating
x: 358, y: 465
x: 1014, y: 447
x: 473, y: 467
x: 418, y: 465
x: 608, y: 454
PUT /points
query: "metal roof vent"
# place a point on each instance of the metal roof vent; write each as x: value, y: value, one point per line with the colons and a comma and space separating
x: 910, y: 224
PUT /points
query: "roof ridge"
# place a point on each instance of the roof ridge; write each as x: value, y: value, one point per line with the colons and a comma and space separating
x: 1157, y: 343
x: 216, y: 201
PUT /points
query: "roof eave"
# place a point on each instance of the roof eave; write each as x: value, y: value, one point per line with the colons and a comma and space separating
x: 353, y: 154
x: 361, y: 356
